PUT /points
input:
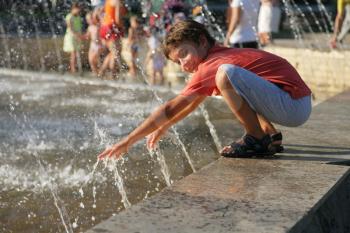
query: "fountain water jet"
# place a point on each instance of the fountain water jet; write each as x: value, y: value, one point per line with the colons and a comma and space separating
x: 160, y: 100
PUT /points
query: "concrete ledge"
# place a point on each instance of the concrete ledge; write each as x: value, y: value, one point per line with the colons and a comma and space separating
x: 298, y: 192
x: 232, y: 195
x: 331, y: 214
x: 323, y: 71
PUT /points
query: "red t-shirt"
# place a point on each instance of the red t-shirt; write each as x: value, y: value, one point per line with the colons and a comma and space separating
x: 266, y: 65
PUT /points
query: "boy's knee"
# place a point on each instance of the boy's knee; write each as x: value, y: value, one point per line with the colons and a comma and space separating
x: 222, y: 77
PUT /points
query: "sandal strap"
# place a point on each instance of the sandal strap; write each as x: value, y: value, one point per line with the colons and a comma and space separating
x: 277, y: 137
x: 257, y: 144
x: 249, y: 145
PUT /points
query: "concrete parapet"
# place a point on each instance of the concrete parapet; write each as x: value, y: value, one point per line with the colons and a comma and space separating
x: 306, y: 189
x: 324, y: 71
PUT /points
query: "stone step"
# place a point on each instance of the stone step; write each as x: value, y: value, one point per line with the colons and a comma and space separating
x: 306, y: 189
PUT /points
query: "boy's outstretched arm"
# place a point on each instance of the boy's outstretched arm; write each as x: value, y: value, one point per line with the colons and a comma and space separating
x: 166, y: 115
x: 156, y: 135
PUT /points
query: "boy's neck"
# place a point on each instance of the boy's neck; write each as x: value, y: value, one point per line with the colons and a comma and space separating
x: 207, y: 51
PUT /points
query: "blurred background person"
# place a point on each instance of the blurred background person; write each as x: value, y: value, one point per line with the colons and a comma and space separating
x: 269, y: 20
x: 95, y: 46
x: 97, y: 4
x: 197, y: 14
x: 342, y: 22
x: 156, y: 57
x: 241, y: 32
x: 174, y: 11
x: 135, y: 35
x: 111, y: 33
x: 72, y: 37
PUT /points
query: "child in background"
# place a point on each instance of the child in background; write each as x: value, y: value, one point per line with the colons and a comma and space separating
x: 258, y: 87
x: 92, y: 34
x: 135, y: 35
x: 111, y: 33
x: 156, y: 57
x: 71, y: 42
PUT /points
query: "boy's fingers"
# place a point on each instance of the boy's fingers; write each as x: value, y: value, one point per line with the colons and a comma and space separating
x: 113, y: 152
x: 104, y: 153
x: 150, y: 143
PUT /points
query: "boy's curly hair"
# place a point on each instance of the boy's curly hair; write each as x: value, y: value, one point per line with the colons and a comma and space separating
x: 187, y: 30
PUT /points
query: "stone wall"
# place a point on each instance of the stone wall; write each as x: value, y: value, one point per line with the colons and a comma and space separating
x: 324, y: 71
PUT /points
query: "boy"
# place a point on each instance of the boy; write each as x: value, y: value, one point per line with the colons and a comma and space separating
x: 258, y: 87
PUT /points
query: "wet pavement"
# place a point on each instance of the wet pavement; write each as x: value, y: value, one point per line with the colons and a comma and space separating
x: 52, y: 127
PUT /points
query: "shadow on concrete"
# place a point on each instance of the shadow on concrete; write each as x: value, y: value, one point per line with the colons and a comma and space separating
x: 327, y: 154
x: 316, y: 150
x: 321, y: 147
x: 332, y: 160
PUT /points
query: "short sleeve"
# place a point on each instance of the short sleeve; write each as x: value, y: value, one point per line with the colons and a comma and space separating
x: 236, y: 3
x: 340, y: 6
x: 68, y: 18
x: 200, y: 86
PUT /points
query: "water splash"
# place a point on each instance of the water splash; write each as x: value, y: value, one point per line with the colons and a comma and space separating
x: 120, y: 184
x: 308, y: 25
x: 163, y: 166
x: 59, y: 204
x: 161, y: 101
x: 293, y: 22
x: 94, y: 196
x: 211, y: 127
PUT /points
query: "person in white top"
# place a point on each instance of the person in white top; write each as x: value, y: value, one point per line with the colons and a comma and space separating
x: 97, y: 3
x: 269, y: 20
x: 242, y: 32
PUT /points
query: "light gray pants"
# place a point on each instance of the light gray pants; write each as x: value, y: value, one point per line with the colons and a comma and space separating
x: 266, y: 99
x: 346, y: 24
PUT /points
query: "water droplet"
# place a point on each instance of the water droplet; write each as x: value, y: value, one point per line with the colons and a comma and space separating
x: 81, y: 192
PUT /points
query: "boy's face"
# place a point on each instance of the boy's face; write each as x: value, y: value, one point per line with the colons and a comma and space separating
x: 188, y: 55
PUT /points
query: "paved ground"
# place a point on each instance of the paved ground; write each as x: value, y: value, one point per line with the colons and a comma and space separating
x: 258, y: 195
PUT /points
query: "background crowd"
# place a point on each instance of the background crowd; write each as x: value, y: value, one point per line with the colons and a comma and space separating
x: 250, y: 24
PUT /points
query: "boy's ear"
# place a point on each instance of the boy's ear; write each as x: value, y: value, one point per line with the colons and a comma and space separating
x: 202, y: 40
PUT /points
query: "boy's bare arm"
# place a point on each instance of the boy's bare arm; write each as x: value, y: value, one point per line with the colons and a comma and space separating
x: 190, y: 108
x: 156, y: 136
x: 164, y: 116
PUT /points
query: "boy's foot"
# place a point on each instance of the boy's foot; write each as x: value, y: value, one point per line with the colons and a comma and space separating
x: 249, y: 146
x: 276, y: 143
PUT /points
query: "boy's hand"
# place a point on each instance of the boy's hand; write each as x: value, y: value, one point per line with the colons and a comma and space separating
x: 153, y: 138
x: 116, y: 151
